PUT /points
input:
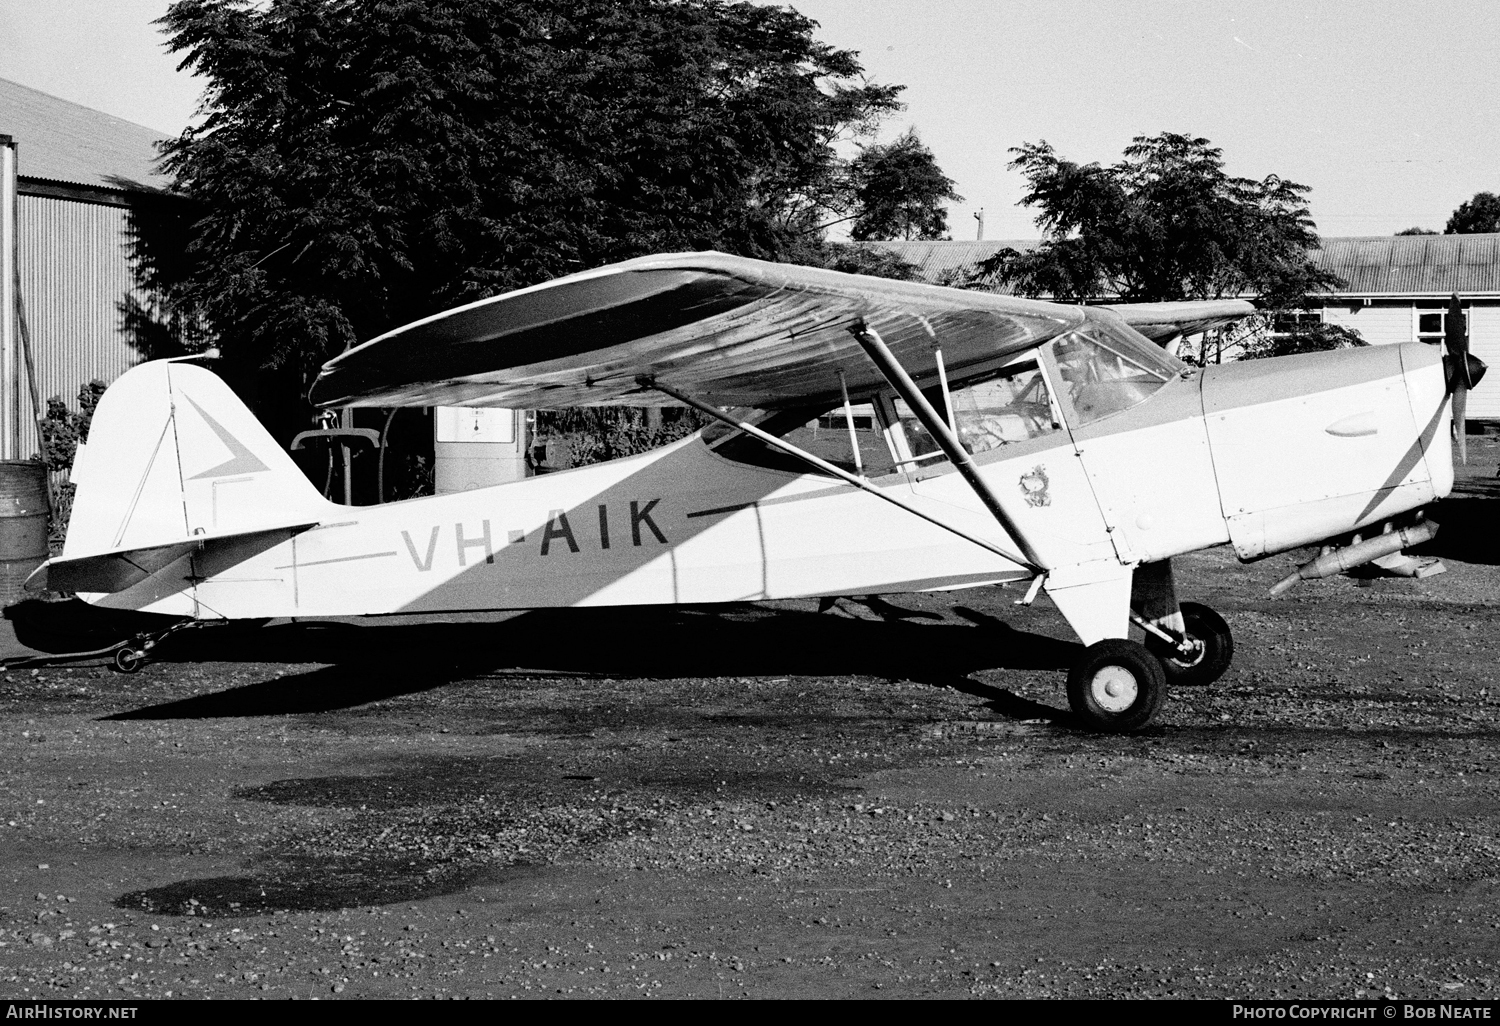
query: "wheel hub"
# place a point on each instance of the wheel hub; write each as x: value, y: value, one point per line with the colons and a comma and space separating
x: 1114, y: 688
x: 1190, y: 652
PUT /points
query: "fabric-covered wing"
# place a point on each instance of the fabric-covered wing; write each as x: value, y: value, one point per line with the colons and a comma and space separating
x: 1161, y: 322
x: 729, y: 330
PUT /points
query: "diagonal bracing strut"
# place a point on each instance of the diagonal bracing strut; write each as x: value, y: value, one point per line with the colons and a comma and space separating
x: 829, y: 468
x: 886, y: 362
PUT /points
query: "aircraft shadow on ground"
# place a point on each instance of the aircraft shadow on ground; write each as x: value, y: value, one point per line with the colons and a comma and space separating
x: 1467, y: 530
x: 314, y: 885
x: 369, y: 662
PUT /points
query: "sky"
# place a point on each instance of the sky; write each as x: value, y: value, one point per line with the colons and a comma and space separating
x: 1384, y: 107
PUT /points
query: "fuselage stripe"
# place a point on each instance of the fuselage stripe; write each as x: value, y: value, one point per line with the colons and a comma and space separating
x: 340, y: 559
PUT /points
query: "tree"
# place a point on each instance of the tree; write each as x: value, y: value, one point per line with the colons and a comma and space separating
x: 1306, y: 338
x: 62, y: 430
x: 1416, y: 231
x: 364, y: 163
x: 1480, y: 214
x: 1164, y: 224
x: 899, y: 190
x: 876, y: 261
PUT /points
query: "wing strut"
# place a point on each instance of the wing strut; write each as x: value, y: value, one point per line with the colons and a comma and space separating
x: 896, y: 375
x: 829, y: 468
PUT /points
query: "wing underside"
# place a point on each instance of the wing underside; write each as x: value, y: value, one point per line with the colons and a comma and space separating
x: 729, y: 330
x: 1161, y: 322
x: 734, y: 331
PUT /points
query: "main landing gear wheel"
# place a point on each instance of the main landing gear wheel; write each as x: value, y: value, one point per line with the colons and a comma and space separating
x: 1213, y: 648
x: 1117, y: 686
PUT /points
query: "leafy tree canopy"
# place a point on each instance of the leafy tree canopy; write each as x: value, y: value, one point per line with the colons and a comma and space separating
x: 363, y: 163
x: 1307, y: 338
x: 1480, y: 214
x: 858, y: 258
x: 1416, y: 231
x: 900, y: 190
x: 1166, y: 223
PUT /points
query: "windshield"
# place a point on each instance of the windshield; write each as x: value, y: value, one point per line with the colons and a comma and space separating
x: 1102, y: 370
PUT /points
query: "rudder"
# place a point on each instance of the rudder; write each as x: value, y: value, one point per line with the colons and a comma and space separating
x: 172, y: 453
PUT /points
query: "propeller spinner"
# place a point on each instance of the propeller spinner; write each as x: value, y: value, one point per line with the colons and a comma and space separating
x: 1463, y: 370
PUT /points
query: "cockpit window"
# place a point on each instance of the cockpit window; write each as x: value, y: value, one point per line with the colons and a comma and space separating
x: 1103, y: 368
x: 1009, y: 405
x: 1102, y: 374
x: 798, y: 426
x: 1011, y: 408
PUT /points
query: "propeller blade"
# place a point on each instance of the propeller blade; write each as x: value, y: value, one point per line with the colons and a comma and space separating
x: 1460, y: 424
x: 1462, y: 372
x: 1456, y: 341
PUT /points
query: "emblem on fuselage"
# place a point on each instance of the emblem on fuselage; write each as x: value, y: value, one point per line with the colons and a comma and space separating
x: 1034, y: 487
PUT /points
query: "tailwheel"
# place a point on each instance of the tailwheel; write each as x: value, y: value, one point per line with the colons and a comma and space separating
x: 1117, y: 686
x: 128, y: 659
x: 1210, y: 648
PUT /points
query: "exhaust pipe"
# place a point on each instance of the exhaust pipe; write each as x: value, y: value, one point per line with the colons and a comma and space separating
x: 1358, y: 554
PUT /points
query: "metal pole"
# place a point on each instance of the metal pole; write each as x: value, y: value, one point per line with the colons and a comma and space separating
x: 346, y: 421
x: 385, y: 433
x: 896, y: 375
x: 829, y: 468
x: 10, y: 392
x: 859, y: 463
x: 36, y: 400
x: 947, y: 395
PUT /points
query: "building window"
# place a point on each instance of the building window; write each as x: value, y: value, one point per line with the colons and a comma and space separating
x: 1432, y: 324
x: 1289, y: 322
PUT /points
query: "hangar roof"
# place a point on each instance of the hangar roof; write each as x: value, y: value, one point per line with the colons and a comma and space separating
x: 935, y: 259
x: 59, y: 141
x: 1413, y: 265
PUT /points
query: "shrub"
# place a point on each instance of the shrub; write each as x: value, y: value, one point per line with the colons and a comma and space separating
x: 63, y: 430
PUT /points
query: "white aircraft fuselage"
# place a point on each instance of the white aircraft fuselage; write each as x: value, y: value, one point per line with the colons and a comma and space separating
x: 1265, y: 455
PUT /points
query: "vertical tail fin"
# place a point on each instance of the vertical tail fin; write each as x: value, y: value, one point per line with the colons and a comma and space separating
x: 171, y: 454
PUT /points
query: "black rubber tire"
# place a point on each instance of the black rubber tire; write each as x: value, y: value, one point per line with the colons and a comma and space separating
x: 128, y: 660
x: 1144, y: 674
x: 1206, y: 626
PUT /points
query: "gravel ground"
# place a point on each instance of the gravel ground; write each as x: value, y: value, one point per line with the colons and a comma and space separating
x: 885, y: 799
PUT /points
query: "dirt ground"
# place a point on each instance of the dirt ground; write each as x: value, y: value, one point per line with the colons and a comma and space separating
x: 885, y: 799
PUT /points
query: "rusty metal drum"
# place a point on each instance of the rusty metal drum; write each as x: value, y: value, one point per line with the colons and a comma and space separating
x: 23, y: 524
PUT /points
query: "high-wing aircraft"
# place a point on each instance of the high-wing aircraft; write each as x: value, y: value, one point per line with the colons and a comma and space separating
x: 1012, y: 441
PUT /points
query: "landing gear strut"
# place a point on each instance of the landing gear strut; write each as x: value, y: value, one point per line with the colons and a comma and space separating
x: 1120, y: 685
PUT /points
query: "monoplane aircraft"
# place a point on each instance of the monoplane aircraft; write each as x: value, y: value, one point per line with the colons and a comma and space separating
x: 1012, y: 441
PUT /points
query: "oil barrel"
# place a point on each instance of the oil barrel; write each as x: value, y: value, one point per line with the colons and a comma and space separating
x: 23, y: 524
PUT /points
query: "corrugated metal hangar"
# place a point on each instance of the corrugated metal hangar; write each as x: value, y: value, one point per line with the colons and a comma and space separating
x: 66, y: 177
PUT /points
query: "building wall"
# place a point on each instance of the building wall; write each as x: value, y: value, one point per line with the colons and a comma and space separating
x: 1484, y: 342
x: 1387, y: 321
x: 1379, y: 324
x: 74, y: 273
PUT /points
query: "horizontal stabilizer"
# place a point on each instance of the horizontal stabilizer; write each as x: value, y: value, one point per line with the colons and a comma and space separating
x: 111, y: 572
